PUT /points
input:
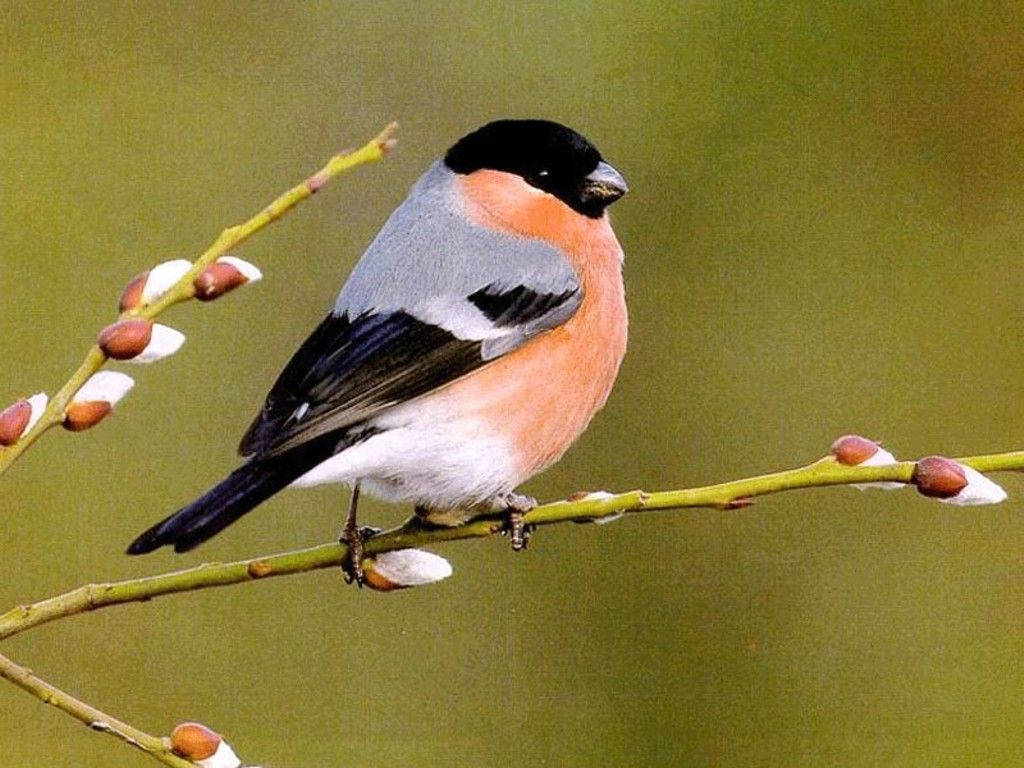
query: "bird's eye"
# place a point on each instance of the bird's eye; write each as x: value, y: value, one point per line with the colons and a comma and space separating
x: 540, y: 178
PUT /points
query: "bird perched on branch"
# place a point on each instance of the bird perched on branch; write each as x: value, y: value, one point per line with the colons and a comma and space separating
x: 472, y: 344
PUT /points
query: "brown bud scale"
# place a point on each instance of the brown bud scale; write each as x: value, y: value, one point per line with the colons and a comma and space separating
x: 13, y: 420
x: 316, y: 182
x: 376, y: 580
x: 80, y: 416
x: 216, y: 280
x: 126, y: 339
x: 741, y: 503
x: 194, y: 741
x: 938, y: 477
x: 259, y: 568
x: 131, y: 296
x: 852, y: 450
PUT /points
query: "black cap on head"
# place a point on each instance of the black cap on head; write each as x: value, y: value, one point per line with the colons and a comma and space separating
x: 548, y: 156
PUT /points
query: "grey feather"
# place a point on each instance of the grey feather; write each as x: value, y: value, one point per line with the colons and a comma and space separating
x: 429, y: 257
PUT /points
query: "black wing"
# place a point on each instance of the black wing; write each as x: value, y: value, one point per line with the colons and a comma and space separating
x: 347, y: 370
x: 350, y: 369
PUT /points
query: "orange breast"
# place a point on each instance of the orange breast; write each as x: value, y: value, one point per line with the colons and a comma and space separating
x: 545, y: 393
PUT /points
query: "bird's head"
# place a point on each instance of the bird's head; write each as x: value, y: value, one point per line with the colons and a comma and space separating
x: 546, y: 156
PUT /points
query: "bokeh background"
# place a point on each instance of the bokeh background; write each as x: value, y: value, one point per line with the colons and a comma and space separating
x: 824, y: 235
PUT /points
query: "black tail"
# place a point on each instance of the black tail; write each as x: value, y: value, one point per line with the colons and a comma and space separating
x: 242, y: 490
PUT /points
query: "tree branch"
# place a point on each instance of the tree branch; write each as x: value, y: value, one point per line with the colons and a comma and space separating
x: 183, y: 289
x: 98, y: 721
x: 590, y: 508
x: 91, y: 597
x: 935, y: 477
x: 595, y: 507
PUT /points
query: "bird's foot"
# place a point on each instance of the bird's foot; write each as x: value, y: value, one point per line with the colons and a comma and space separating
x: 354, y: 539
x: 515, y: 506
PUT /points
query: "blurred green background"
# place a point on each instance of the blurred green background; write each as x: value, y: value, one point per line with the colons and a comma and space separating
x: 824, y: 235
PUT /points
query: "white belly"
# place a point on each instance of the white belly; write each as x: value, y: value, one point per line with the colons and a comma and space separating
x: 424, y: 456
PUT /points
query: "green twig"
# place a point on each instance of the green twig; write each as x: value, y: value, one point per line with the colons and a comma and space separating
x: 98, y: 721
x: 593, y: 507
x: 729, y: 495
x: 183, y: 290
x: 83, y: 599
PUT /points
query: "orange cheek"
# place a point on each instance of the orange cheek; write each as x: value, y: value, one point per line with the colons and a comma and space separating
x: 506, y: 202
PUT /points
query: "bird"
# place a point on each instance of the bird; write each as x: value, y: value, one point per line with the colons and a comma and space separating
x: 472, y: 344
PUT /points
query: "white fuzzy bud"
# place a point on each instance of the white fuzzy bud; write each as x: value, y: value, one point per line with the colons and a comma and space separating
x: 224, y: 757
x: 106, y: 386
x: 163, y: 342
x: 249, y: 271
x: 857, y: 451
x: 979, y: 490
x: 19, y: 417
x: 162, y: 278
x: 38, y: 401
x: 405, y: 568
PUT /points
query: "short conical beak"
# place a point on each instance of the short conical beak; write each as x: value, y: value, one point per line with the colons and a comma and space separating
x: 604, y: 184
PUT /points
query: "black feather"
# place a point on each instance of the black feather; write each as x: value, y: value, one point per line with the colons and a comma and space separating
x: 346, y: 371
x: 350, y: 369
x: 518, y: 305
x: 238, y: 493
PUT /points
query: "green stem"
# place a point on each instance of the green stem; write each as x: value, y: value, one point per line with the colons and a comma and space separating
x: 729, y: 495
x: 93, y: 596
x: 92, y: 717
x: 183, y: 290
x: 733, y: 494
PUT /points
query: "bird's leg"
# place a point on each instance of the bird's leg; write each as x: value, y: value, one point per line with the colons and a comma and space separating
x: 353, y: 537
x: 514, y: 506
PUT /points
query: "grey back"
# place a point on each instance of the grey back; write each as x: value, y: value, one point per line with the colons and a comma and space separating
x: 429, y: 257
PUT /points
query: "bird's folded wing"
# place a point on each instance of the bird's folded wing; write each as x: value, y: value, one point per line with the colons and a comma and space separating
x: 434, y: 297
x: 350, y: 369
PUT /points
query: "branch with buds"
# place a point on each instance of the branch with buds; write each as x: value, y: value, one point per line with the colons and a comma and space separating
x: 89, y: 395
x: 393, y: 560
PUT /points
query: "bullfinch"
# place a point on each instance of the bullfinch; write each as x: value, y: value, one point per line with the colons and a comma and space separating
x: 471, y: 345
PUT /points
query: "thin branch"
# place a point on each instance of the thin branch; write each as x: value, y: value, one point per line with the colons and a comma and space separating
x: 588, y: 508
x: 183, y: 290
x: 98, y: 721
x: 595, y: 507
x: 95, y: 358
